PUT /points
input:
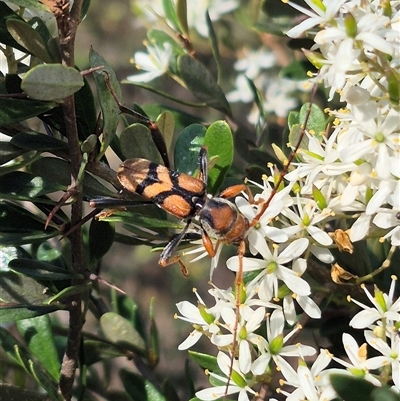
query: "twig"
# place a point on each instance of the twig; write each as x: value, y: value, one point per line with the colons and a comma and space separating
x: 67, y: 22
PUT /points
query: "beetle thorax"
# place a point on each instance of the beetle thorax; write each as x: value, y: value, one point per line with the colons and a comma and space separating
x: 221, y: 220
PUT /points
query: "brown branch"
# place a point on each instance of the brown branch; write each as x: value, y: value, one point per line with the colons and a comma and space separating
x: 68, y: 21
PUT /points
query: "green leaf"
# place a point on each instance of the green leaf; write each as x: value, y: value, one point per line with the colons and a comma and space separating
x: 25, y: 186
x: 219, y: 142
x: 16, y: 110
x: 384, y: 394
x: 138, y: 388
x: 166, y: 124
x: 9, y: 152
x: 154, y: 351
x: 187, y: 148
x: 214, y: 44
x: 128, y: 309
x: 109, y: 107
x: 296, y: 132
x: 18, y: 226
x: 101, y: 237
x: 202, y: 84
x: 170, y: 13
x: 85, y: 111
x: 67, y: 293
x: 21, y: 355
x: 181, y: 11
x: 316, y: 120
x: 96, y: 351
x: 351, y: 388
x: 39, y: 270
x: 19, y: 292
x: 319, y: 198
x: 31, y: 4
x: 30, y: 39
x: 7, y: 14
x: 136, y: 141
x: 59, y: 171
x: 37, y: 332
x: 393, y: 87
x: 205, y: 361
x: 21, y: 312
x: 293, y: 118
x: 51, y: 82
x: 37, y: 141
x: 118, y: 330
x: 50, y: 254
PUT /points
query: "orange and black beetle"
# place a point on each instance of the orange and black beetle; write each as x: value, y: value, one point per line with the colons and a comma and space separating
x: 186, y: 197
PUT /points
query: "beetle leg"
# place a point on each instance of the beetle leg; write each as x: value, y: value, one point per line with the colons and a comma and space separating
x: 166, y: 257
x: 207, y: 243
x: 203, y: 163
x: 235, y: 190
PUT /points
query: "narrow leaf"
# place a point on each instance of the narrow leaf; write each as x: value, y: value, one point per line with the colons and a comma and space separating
x: 26, y: 186
x: 166, y: 124
x: 119, y: 331
x: 21, y: 312
x: 181, y: 12
x: 7, y: 14
x: 16, y: 110
x: 39, y: 270
x: 29, y: 38
x: 170, y: 13
x: 101, y: 237
x: 19, y: 353
x: 31, y: 4
x: 37, y: 332
x: 202, y: 84
x: 37, y: 141
x: 109, y: 107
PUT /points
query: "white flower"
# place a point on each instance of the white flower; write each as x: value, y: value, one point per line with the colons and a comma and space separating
x: 358, y: 365
x: 384, y: 307
x: 380, y: 139
x: 390, y: 354
x: 238, y: 383
x: 324, y: 11
x: 320, y: 163
x: 306, y: 220
x: 264, y: 229
x: 387, y: 218
x: 274, y: 345
x: 249, y: 321
x: 304, y: 301
x: 273, y: 269
x: 155, y: 62
x: 311, y: 383
x: 203, y: 321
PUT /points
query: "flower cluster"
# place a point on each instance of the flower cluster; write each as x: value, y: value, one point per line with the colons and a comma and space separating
x: 347, y: 179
